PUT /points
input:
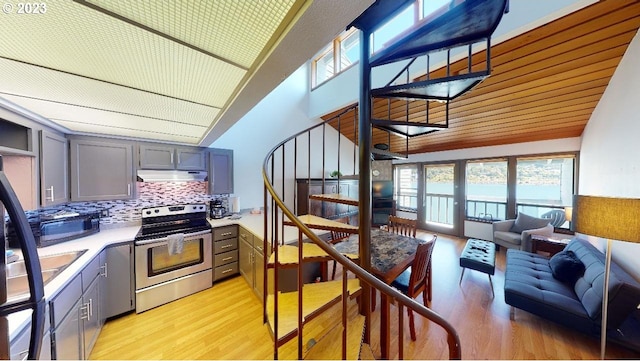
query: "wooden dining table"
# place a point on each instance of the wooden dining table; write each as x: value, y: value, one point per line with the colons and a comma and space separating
x: 391, y: 254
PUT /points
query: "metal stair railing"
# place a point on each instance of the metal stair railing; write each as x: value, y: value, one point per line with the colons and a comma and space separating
x: 283, y: 162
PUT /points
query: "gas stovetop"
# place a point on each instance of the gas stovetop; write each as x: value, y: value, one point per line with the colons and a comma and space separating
x: 159, y: 222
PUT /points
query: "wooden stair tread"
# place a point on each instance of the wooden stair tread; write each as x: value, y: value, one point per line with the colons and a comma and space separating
x: 335, y: 198
x: 366, y: 353
x: 315, y: 222
x: 329, y: 347
x: 288, y: 254
x: 316, y: 298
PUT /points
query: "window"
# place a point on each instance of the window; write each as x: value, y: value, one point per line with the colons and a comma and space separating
x: 343, y: 52
x: 544, y: 185
x: 486, y: 187
x: 406, y: 187
x: 324, y: 68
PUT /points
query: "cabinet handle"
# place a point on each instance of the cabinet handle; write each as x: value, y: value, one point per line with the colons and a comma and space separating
x: 243, y: 236
x: 171, y: 157
x: 90, y: 308
x: 259, y: 248
x: 227, y: 270
x: 227, y: 258
x: 84, y: 312
x: 52, y: 198
x: 104, y: 272
x: 129, y: 189
x: 226, y: 246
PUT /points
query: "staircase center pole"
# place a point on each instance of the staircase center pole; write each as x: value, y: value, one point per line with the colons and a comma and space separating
x: 364, y: 188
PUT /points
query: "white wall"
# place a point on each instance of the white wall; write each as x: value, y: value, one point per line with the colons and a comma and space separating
x: 609, y: 163
x: 279, y: 115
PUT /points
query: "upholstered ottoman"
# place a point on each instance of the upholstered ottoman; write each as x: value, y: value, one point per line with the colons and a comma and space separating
x: 480, y: 256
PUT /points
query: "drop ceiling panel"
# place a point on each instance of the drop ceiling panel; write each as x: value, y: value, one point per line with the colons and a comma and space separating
x: 218, y: 27
x: 80, y: 40
x: 23, y: 80
x: 80, y: 119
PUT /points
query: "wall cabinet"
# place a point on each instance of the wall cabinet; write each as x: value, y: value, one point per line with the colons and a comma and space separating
x: 166, y: 157
x: 118, y: 281
x: 101, y: 170
x: 225, y: 252
x: 54, y: 169
x: 330, y: 210
x: 220, y: 171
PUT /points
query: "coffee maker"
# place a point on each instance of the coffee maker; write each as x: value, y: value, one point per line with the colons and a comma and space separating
x: 216, y: 209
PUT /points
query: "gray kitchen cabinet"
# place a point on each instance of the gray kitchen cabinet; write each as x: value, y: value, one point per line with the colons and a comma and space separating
x: 101, y: 170
x: 76, y: 313
x: 66, y: 323
x: 225, y: 252
x: 90, y: 315
x: 118, y: 282
x: 20, y: 345
x: 45, y: 352
x: 220, y: 171
x: 251, y: 260
x: 67, y: 336
x: 54, y: 169
x: 154, y: 156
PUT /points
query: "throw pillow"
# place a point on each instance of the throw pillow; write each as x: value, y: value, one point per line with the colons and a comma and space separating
x: 526, y: 222
x: 566, y: 267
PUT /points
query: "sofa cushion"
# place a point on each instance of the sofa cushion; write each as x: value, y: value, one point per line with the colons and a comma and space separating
x: 566, y: 267
x: 525, y: 222
x: 624, y: 291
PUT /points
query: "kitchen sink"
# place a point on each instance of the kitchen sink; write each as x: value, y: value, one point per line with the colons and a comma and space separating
x: 52, y: 265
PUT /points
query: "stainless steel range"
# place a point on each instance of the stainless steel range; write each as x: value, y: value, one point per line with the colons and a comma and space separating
x: 172, y: 254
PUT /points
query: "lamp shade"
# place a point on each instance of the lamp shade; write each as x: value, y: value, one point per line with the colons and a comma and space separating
x: 607, y: 217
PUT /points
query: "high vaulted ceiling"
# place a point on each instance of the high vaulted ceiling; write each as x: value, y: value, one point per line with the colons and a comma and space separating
x: 544, y: 85
x: 157, y: 70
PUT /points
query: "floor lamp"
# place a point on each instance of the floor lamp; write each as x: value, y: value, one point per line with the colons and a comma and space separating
x: 612, y: 219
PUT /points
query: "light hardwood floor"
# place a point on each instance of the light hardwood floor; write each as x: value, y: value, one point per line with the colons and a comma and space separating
x: 225, y: 322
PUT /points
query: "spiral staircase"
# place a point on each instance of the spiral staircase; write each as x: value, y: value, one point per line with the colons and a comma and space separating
x: 332, y: 319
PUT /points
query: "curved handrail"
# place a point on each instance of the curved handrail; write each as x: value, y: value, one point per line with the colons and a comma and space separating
x: 452, y: 336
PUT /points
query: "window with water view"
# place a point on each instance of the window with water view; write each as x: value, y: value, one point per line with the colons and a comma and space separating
x: 486, y: 186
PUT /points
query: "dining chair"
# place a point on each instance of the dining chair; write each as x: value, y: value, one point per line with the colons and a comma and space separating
x: 403, y: 226
x: 338, y: 236
x: 415, y: 279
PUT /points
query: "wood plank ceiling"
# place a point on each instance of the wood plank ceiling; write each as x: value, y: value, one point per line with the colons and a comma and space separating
x: 544, y: 84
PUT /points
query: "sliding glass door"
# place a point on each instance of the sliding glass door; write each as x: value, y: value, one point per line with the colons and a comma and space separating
x: 441, y: 204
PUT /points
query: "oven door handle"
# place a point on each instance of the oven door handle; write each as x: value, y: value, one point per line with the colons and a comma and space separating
x: 165, y: 240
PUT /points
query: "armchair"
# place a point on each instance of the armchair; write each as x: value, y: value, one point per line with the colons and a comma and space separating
x: 516, y: 233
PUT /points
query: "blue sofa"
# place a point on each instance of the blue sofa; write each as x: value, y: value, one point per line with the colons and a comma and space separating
x: 531, y: 286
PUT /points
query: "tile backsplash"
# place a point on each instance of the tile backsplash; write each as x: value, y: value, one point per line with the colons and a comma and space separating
x: 150, y: 194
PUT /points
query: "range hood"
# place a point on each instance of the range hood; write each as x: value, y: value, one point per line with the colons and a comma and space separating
x: 145, y: 175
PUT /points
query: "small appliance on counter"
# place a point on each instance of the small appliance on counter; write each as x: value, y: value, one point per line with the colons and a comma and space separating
x: 217, y: 210
x: 61, y: 226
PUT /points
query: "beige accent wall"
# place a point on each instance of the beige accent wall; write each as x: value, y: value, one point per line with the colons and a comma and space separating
x: 20, y: 171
